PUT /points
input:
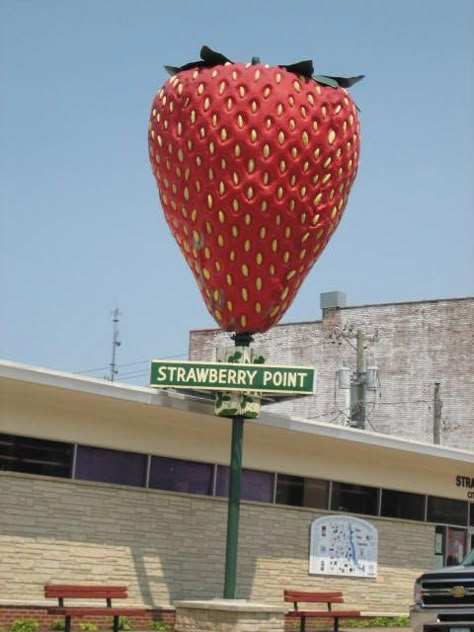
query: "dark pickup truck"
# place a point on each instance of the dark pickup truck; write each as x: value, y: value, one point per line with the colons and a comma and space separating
x: 444, y: 599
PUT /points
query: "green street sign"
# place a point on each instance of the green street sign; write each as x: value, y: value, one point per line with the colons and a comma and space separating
x: 221, y: 376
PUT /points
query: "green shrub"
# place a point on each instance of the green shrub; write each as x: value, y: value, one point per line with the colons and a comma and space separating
x: 379, y: 622
x: 57, y: 625
x: 24, y: 625
x: 125, y: 623
x: 161, y: 626
x: 88, y: 627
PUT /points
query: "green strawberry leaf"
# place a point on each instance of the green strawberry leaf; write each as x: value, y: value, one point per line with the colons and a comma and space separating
x: 234, y: 357
x: 171, y: 70
x: 211, y: 58
x: 346, y: 82
x: 326, y: 81
x: 304, y: 68
x: 251, y: 415
x: 228, y: 412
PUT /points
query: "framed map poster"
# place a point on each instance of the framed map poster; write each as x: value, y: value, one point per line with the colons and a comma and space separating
x: 342, y: 545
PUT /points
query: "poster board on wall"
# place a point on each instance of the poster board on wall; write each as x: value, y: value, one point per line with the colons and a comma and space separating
x: 343, y: 546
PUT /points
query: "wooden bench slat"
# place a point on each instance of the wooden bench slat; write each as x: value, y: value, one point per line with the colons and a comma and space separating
x: 84, y: 586
x: 325, y: 614
x: 313, y: 597
x: 78, y: 611
x: 99, y: 592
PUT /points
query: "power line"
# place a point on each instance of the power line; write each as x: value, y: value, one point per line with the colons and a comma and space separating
x: 126, y: 364
x: 133, y: 375
x: 100, y: 368
x: 401, y: 403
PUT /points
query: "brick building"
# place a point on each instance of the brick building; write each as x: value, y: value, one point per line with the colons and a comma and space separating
x: 103, y: 482
x: 413, y: 345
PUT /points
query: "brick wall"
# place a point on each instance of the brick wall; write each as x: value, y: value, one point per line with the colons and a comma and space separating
x: 166, y: 546
x: 418, y: 344
x: 9, y: 614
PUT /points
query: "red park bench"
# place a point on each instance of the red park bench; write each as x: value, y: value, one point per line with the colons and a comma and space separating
x: 329, y: 598
x: 66, y: 591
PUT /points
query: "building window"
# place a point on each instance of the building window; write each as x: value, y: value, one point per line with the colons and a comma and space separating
x: 35, y: 456
x: 354, y: 498
x: 290, y: 490
x: 110, y: 466
x: 316, y: 493
x: 447, y: 511
x: 403, y: 505
x: 181, y: 476
x: 254, y: 485
x: 302, y: 492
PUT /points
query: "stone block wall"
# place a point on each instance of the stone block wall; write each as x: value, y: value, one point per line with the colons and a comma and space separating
x: 228, y: 616
x: 167, y: 546
x: 416, y: 345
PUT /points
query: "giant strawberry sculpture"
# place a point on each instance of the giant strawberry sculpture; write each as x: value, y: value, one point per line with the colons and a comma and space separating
x: 254, y: 165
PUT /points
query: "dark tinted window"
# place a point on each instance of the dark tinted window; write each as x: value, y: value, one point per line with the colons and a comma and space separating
x: 447, y: 511
x: 354, y: 498
x: 290, y: 490
x: 110, y: 466
x: 181, y: 476
x: 35, y: 456
x: 254, y: 485
x: 316, y: 493
x: 403, y: 505
x: 302, y: 492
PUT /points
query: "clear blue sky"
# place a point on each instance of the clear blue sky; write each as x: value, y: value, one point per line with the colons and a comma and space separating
x: 82, y: 229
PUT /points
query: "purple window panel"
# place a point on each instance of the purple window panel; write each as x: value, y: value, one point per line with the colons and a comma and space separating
x: 181, y: 476
x: 110, y: 466
x: 253, y: 485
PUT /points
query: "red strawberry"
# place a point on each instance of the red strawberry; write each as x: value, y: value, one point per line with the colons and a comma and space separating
x: 254, y: 165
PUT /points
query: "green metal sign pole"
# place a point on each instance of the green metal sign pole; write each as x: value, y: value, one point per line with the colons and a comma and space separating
x: 233, y: 507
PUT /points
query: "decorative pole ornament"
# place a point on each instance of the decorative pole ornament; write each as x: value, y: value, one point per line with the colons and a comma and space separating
x: 254, y: 165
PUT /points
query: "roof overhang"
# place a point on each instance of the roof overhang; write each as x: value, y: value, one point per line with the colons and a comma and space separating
x: 69, y: 407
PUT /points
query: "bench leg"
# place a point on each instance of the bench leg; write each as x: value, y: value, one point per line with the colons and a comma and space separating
x: 67, y: 624
x: 116, y: 624
x: 336, y: 624
x: 303, y: 624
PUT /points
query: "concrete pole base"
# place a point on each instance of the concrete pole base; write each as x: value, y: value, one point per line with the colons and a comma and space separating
x: 228, y: 615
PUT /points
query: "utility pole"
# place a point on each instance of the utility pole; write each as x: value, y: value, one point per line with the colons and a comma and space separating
x: 115, y: 343
x: 437, y: 407
x: 358, y: 407
x: 359, y: 381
